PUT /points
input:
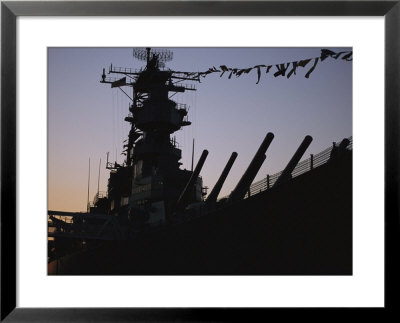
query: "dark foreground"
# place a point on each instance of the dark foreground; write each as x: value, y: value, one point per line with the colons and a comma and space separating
x: 303, y: 227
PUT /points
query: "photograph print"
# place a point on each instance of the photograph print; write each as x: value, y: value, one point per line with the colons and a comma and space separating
x: 200, y: 161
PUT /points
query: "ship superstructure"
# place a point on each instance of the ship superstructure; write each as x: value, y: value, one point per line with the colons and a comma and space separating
x: 147, y: 187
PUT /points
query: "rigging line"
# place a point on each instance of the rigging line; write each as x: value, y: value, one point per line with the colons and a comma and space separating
x: 123, y: 125
x: 179, y: 81
x: 185, y: 136
x: 87, y: 205
x: 119, y: 122
x: 129, y: 76
x: 117, y: 136
x: 126, y: 94
x: 172, y: 95
x: 113, y: 118
x: 127, y: 124
x: 190, y: 131
x: 195, y: 116
x: 184, y: 147
x: 98, y: 179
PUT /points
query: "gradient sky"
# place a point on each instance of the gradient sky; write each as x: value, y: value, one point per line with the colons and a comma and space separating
x: 86, y: 118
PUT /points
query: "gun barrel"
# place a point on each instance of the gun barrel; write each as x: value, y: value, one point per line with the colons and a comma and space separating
x: 287, y: 172
x: 212, y: 197
x: 184, y: 197
x: 244, y: 184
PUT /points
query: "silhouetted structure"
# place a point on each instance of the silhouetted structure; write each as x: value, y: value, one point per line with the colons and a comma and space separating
x: 153, y: 219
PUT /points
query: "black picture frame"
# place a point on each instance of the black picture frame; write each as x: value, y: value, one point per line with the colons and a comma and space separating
x: 10, y: 10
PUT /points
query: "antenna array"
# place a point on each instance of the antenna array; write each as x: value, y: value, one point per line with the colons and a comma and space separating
x: 163, y: 55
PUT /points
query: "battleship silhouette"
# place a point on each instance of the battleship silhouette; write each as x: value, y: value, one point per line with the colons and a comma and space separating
x: 157, y: 219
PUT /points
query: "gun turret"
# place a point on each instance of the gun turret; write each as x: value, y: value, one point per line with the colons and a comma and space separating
x: 184, y: 197
x: 212, y: 197
x: 244, y: 184
x: 287, y: 172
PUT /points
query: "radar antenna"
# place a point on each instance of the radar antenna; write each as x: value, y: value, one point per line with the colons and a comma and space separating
x: 148, y: 54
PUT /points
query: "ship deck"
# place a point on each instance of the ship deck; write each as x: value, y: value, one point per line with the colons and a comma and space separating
x: 303, y: 227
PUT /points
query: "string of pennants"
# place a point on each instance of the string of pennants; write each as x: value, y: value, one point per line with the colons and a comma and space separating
x: 283, y: 69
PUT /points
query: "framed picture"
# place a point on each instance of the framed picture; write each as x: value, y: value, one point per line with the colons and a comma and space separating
x: 45, y: 56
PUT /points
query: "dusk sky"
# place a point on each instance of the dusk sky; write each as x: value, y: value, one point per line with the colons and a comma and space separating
x: 86, y: 118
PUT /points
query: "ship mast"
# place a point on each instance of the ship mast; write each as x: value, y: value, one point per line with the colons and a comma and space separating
x: 153, y: 116
x: 154, y: 78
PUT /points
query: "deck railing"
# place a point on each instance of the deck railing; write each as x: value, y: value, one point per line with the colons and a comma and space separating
x: 302, y: 167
